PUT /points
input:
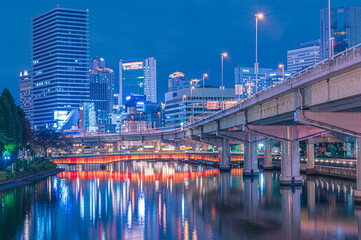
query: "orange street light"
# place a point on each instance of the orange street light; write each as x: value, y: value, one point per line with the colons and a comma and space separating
x: 223, y: 54
x: 204, y: 76
x: 282, y: 66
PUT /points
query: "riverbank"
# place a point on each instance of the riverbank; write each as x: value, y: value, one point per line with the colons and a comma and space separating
x: 28, y: 178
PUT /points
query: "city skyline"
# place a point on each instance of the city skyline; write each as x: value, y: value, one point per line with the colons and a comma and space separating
x: 180, y: 53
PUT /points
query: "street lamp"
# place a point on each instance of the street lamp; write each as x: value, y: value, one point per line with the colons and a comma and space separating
x: 329, y: 30
x: 192, y: 88
x: 159, y: 122
x: 282, y: 66
x: 204, y: 76
x: 223, y: 55
x: 258, y: 16
x: 183, y: 98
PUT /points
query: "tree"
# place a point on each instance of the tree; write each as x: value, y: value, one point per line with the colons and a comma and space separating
x: 25, y: 128
x: 48, y: 139
x: 11, y: 120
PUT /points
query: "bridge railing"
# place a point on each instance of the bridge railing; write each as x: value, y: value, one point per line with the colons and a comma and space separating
x: 307, y: 72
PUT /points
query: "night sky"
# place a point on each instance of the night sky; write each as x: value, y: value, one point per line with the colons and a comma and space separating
x: 183, y: 35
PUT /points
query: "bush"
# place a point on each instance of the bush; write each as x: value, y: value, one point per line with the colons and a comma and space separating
x: 37, y: 165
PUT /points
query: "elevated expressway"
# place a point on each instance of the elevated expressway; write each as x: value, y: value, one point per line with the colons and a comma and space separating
x: 324, y: 98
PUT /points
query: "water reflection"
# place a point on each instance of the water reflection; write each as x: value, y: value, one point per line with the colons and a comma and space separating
x: 158, y: 200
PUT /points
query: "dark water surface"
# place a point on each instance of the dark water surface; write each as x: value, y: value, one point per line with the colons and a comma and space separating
x: 144, y: 200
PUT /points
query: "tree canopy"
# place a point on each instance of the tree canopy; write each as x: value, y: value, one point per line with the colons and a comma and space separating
x: 14, y: 127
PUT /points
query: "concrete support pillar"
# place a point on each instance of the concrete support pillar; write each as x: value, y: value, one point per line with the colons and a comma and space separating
x: 357, y: 192
x: 157, y: 146
x: 310, y: 157
x: 290, y: 167
x: 119, y: 146
x: 349, y: 150
x: 291, y: 213
x: 224, y: 156
x: 267, y: 160
x: 250, y: 156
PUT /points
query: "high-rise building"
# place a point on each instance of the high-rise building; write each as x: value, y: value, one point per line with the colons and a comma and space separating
x: 245, y: 80
x: 306, y: 55
x: 345, y: 29
x: 25, y: 93
x: 60, y: 65
x: 138, y: 77
x: 178, y: 81
x: 87, y: 117
x: 101, y: 88
x: 183, y: 104
x: 275, y: 76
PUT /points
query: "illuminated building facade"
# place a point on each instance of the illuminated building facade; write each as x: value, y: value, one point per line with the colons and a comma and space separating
x: 178, y: 81
x: 138, y: 77
x: 25, y: 93
x: 306, y: 55
x: 87, y: 117
x: 141, y: 115
x: 345, y: 29
x: 275, y: 76
x: 179, y: 104
x: 245, y: 80
x: 60, y: 65
x: 101, y: 88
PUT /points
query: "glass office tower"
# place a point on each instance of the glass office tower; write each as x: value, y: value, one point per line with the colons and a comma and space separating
x: 345, y: 29
x: 138, y: 77
x: 101, y: 88
x: 60, y: 65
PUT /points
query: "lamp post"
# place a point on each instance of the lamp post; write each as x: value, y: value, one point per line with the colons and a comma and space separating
x: 204, y: 76
x: 329, y: 30
x: 258, y: 16
x: 192, y: 88
x: 159, y: 122
x: 223, y: 55
x: 183, y: 98
x: 282, y: 66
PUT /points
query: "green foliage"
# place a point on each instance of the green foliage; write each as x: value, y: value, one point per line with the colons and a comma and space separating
x: 14, y: 127
x: 49, y: 139
x: 21, y: 168
x: 332, y: 149
x: 235, y: 148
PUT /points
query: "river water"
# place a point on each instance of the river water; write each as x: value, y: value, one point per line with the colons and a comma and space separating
x: 147, y: 200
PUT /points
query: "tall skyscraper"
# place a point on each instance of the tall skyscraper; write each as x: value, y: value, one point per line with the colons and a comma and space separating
x: 138, y: 77
x: 25, y: 93
x: 101, y: 88
x: 60, y: 65
x: 306, y: 55
x: 245, y: 80
x: 345, y: 28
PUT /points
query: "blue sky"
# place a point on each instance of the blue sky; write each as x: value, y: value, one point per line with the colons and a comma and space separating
x: 183, y: 35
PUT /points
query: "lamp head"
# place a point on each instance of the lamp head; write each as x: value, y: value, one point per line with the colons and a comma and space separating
x: 259, y: 15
